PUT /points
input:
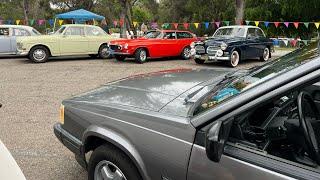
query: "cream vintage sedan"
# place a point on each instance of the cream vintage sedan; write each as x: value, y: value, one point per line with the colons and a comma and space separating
x: 72, y: 39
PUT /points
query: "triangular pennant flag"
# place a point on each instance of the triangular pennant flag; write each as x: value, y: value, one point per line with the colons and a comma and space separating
x: 115, y: 23
x: 18, y: 21
x: 257, y: 23
x: 135, y: 23
x: 306, y: 24
x: 247, y: 22
x: 60, y: 22
x: 51, y: 22
x: 196, y: 25
x: 165, y: 25
x: 217, y: 23
x: 186, y: 25
x: 285, y: 42
x: 266, y: 23
x: 31, y: 22
x: 286, y: 23
x: 9, y: 21
x: 276, y: 24
x: 294, y: 42
x: 317, y: 25
x: 305, y: 42
x: 206, y: 24
x: 41, y: 22
x: 296, y: 24
x: 227, y: 23
x: 121, y: 22
x: 175, y: 25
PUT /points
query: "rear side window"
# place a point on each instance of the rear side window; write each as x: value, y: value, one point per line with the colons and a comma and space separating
x: 20, y: 32
x: 4, y: 31
x: 91, y: 31
x: 255, y: 32
x: 74, y: 31
x: 170, y: 35
x: 184, y: 35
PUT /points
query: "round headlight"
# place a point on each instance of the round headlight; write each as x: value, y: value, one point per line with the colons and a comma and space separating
x: 223, y: 46
x: 126, y: 46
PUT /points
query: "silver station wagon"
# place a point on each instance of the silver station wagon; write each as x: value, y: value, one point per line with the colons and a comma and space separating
x: 8, y: 34
x: 201, y: 124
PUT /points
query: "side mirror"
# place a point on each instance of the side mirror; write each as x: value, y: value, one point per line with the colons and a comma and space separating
x: 216, y: 137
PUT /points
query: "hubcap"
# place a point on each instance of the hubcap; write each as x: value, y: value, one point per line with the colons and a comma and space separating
x: 266, y: 54
x: 106, y: 170
x: 39, y: 54
x: 235, y: 58
x: 143, y: 55
x: 105, y: 52
x: 187, y: 52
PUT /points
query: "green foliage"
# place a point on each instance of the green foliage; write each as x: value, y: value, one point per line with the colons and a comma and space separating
x: 141, y: 14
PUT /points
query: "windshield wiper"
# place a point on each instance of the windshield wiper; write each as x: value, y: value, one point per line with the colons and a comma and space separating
x: 190, y: 97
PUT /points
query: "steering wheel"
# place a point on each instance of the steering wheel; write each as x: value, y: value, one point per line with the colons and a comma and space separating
x: 312, y: 138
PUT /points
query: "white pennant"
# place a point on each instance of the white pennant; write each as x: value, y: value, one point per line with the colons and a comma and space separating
x: 286, y: 42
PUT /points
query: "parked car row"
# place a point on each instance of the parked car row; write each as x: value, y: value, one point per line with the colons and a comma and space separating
x: 230, y: 44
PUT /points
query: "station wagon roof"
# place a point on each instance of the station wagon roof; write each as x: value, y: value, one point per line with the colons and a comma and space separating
x: 77, y: 25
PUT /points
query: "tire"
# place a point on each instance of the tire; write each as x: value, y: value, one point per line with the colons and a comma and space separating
x: 234, y: 59
x: 109, y: 157
x: 120, y: 58
x: 266, y: 54
x: 186, y: 53
x: 141, y: 56
x: 199, y: 61
x: 93, y: 56
x: 104, y: 52
x: 39, y: 54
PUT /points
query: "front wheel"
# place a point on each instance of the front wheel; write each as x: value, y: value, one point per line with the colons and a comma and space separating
x: 234, y: 59
x: 141, y: 56
x: 266, y: 54
x: 104, y: 52
x: 109, y: 163
x: 39, y: 54
x: 186, y: 53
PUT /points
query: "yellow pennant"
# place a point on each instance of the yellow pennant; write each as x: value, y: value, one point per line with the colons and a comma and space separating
x: 135, y: 24
x: 317, y: 25
x: 60, y: 22
x: 257, y: 23
x: 17, y: 22
x: 196, y: 25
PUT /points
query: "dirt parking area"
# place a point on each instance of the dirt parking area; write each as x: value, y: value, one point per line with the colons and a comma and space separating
x: 31, y: 95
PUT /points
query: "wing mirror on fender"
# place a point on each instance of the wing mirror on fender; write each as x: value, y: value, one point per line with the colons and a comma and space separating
x: 216, y: 138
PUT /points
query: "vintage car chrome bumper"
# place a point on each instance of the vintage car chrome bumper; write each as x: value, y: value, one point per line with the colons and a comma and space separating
x: 22, y: 52
x: 212, y: 58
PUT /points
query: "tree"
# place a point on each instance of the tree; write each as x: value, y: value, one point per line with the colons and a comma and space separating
x: 240, y: 6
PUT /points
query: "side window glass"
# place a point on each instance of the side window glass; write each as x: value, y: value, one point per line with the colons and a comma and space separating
x: 90, y: 31
x: 183, y: 35
x: 20, y: 32
x: 170, y: 35
x: 259, y: 33
x: 251, y: 33
x: 74, y: 31
x: 4, y: 31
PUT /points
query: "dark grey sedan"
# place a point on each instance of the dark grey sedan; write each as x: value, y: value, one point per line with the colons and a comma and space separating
x: 201, y: 124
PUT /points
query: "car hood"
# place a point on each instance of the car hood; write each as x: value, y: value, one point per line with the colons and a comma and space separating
x: 219, y: 40
x: 150, y: 91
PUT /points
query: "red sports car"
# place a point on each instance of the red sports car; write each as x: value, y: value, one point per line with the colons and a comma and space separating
x: 155, y: 44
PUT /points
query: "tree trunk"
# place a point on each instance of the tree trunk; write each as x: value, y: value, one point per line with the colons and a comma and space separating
x: 25, y: 6
x: 240, y: 4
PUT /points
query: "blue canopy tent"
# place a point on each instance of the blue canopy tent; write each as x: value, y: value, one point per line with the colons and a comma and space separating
x: 80, y: 15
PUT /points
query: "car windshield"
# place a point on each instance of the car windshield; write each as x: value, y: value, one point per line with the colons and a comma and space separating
x: 35, y: 32
x: 236, y: 85
x: 230, y: 32
x: 153, y: 34
x: 60, y: 31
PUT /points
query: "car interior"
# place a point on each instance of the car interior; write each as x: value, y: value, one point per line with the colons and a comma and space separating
x: 287, y: 127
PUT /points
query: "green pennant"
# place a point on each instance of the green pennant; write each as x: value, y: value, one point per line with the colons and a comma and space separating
x: 31, y: 22
x: 166, y: 25
x: 306, y: 24
x: 227, y: 23
x: 247, y: 22
x: 305, y: 42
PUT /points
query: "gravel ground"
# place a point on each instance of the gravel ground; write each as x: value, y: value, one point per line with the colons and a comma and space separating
x: 31, y: 95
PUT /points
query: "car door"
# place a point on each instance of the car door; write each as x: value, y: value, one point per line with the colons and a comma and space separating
x: 184, y: 39
x: 73, y: 41
x: 6, y: 41
x: 252, y: 43
x: 95, y: 38
x: 169, y: 45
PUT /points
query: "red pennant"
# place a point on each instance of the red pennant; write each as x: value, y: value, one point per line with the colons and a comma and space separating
x: 186, y: 25
x: 294, y: 42
x: 175, y: 25
x: 296, y: 24
x: 115, y: 23
x: 276, y: 24
x: 121, y: 22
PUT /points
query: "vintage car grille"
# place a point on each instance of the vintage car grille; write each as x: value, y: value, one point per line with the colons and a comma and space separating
x: 212, y: 50
x: 200, y: 49
x: 115, y: 47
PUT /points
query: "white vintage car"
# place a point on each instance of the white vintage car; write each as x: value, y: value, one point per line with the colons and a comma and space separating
x: 8, y: 34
